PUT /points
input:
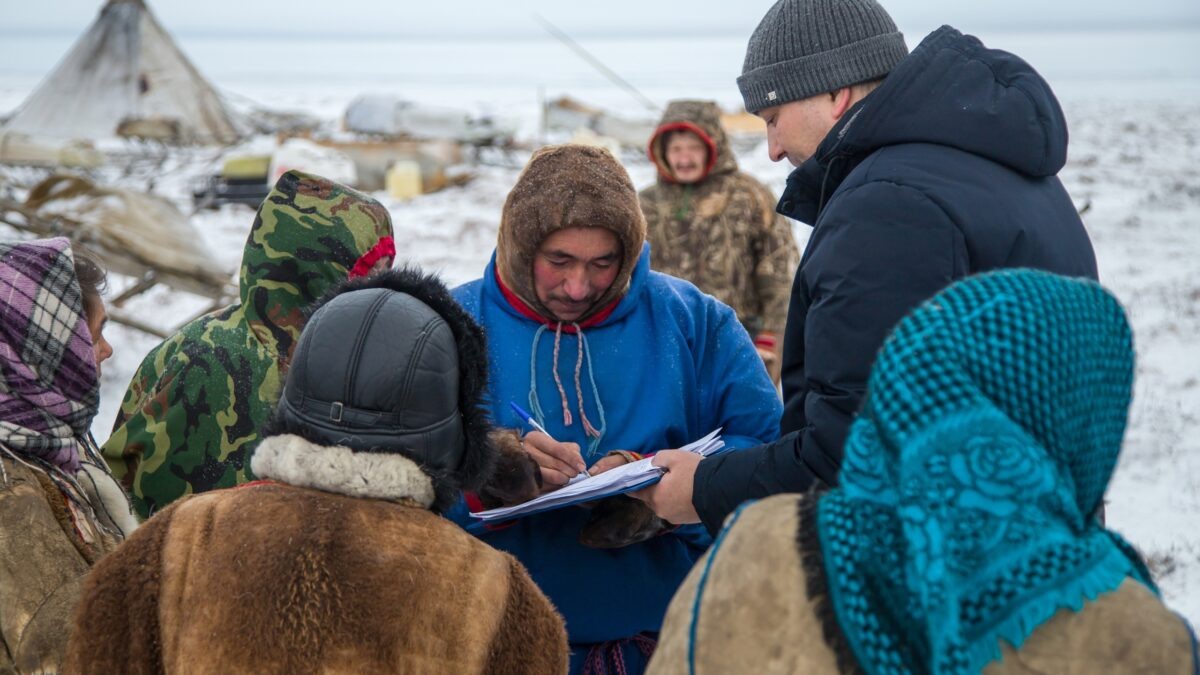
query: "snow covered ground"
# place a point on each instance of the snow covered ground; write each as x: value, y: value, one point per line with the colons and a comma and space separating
x: 1138, y: 166
x: 1134, y: 167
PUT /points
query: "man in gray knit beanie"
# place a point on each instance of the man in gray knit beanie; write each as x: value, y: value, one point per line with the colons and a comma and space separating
x: 823, y: 56
x: 801, y: 49
x: 914, y: 170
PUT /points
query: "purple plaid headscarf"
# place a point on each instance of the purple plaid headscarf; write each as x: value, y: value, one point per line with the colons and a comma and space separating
x: 49, y: 389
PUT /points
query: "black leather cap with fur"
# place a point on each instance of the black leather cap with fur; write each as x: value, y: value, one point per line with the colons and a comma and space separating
x: 391, y: 363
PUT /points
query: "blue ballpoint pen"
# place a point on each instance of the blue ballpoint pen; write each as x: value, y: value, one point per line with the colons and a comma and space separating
x: 529, y: 419
x: 523, y: 414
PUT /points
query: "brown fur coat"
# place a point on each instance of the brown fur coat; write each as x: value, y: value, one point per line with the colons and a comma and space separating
x: 335, y: 565
x: 753, y: 618
x: 47, y: 546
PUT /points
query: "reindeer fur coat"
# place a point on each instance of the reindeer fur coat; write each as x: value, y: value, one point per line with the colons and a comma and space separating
x: 334, y: 565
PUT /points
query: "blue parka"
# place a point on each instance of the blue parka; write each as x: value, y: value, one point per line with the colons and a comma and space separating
x: 670, y: 364
x: 947, y: 169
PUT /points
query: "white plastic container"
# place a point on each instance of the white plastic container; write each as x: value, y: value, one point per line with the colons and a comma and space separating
x: 404, y: 179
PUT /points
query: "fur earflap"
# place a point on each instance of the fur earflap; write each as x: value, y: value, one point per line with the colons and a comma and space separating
x: 480, y: 457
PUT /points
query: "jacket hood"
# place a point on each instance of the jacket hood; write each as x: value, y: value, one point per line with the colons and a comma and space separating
x: 702, y: 118
x: 391, y: 363
x: 951, y: 91
x: 49, y: 384
x: 307, y: 237
x: 568, y: 186
x: 613, y: 313
x: 963, y: 517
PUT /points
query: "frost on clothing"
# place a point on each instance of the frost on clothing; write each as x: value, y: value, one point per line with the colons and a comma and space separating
x: 947, y: 169
x: 191, y: 416
x: 721, y: 232
x: 670, y: 364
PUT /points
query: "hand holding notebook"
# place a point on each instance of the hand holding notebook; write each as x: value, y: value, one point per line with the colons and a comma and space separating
x: 622, y: 479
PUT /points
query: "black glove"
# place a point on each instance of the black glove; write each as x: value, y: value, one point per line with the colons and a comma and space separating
x: 619, y: 521
x: 517, y: 478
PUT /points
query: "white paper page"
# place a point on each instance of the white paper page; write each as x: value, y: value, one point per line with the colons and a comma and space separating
x: 608, y: 483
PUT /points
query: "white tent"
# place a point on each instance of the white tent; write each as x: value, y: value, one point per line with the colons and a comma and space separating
x: 125, y: 70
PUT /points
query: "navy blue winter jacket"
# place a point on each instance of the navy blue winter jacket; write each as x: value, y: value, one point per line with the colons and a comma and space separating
x: 947, y: 169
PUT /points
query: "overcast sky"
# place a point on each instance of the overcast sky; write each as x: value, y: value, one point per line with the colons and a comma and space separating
x: 580, y: 18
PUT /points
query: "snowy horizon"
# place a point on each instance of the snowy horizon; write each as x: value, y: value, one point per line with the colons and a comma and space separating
x: 473, y: 18
x: 1131, y: 97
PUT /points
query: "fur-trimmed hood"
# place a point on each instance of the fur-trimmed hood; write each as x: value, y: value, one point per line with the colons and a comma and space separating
x: 702, y: 118
x: 568, y: 186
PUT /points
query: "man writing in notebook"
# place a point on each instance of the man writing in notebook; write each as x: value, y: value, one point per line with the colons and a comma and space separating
x: 607, y: 356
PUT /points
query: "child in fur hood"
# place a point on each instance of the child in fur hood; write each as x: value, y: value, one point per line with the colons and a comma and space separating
x: 337, y: 560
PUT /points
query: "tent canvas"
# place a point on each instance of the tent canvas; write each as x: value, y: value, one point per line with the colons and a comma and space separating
x: 125, y: 68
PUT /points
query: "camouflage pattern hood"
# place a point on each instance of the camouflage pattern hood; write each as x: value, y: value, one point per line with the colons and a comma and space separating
x: 722, y: 232
x: 702, y: 118
x: 191, y: 416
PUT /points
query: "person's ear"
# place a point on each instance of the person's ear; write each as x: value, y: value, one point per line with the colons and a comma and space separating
x: 842, y: 100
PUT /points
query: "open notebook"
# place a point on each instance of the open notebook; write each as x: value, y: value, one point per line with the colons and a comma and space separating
x: 626, y: 478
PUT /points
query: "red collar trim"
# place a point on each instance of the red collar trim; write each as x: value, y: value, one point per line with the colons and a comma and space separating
x: 665, y: 171
x: 529, y: 313
x: 384, y: 248
x: 475, y: 505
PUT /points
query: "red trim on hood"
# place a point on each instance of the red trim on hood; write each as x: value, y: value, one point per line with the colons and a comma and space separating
x: 766, y: 340
x: 681, y: 126
x: 385, y: 247
x: 529, y: 313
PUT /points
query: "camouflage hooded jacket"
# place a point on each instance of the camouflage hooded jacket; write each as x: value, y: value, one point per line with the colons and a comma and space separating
x: 721, y: 233
x: 191, y: 416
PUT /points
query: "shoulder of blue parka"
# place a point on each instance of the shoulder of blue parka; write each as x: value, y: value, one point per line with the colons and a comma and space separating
x: 691, y: 309
x: 687, y: 302
x: 467, y: 295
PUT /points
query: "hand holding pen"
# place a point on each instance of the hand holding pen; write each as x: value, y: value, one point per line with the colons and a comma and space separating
x: 559, y: 462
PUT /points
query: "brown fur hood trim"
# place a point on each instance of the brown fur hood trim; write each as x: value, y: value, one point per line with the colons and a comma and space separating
x: 568, y: 186
x: 331, y: 468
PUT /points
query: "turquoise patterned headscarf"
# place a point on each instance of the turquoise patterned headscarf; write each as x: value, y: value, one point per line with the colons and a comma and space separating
x: 991, y: 427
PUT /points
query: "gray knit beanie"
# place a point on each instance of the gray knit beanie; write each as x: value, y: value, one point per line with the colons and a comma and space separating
x: 802, y: 48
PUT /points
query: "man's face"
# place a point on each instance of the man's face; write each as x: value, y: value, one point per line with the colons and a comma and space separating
x: 573, y: 268
x: 796, y: 128
x: 687, y: 156
x: 97, y: 319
